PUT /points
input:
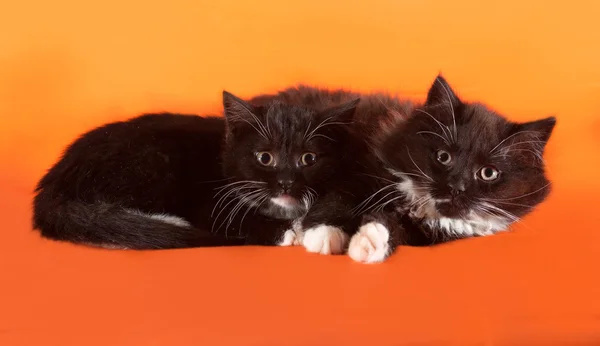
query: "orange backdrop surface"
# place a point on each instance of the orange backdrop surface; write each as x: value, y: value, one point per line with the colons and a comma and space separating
x: 66, y: 66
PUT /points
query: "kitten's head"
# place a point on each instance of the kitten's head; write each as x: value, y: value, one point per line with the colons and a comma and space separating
x: 464, y: 161
x: 281, y: 156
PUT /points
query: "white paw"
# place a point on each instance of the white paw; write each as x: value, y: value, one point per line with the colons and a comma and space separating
x: 292, y: 238
x: 370, y: 244
x: 326, y: 240
x: 294, y: 235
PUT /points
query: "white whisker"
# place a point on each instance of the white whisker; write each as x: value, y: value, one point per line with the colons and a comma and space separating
x: 320, y: 135
x: 523, y: 195
x: 237, y: 182
x: 382, y: 199
x: 507, y: 138
x: 435, y: 134
x: 419, y: 168
x: 241, y: 198
x: 233, y: 191
x: 507, y: 203
x: 323, y: 123
x: 402, y: 174
x: 262, y: 197
x: 377, y: 177
x: 504, y: 153
x: 442, y: 126
x: 451, y: 108
x: 306, y: 131
x: 242, y: 201
x: 255, y: 128
x: 364, y: 203
x: 382, y: 206
x: 507, y: 214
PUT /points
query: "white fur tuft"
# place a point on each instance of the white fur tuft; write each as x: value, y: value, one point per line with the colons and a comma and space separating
x: 285, y: 202
x: 293, y: 236
x: 166, y: 218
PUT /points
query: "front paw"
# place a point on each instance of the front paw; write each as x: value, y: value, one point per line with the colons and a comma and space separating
x: 326, y: 240
x: 292, y: 238
x: 370, y: 244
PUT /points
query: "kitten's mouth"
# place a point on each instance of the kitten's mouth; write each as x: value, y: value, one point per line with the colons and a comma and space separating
x: 285, y: 201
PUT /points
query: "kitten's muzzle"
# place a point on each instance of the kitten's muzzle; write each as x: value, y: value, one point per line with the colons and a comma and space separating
x: 285, y: 185
x: 456, y: 188
x: 285, y: 179
x: 448, y: 209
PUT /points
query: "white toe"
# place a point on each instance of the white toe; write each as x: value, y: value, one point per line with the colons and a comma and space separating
x: 291, y: 238
x: 326, y: 240
x: 370, y: 243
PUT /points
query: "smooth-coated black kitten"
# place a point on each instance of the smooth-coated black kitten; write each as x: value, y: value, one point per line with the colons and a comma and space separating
x: 453, y: 169
x: 171, y: 181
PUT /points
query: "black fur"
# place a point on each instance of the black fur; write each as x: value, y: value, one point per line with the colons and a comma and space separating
x: 407, y: 139
x: 203, y: 170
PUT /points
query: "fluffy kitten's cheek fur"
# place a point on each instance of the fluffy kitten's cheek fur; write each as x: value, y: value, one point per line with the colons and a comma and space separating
x: 326, y: 240
x: 370, y: 244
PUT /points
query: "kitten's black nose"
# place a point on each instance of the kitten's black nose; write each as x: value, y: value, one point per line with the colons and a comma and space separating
x: 285, y: 184
x: 456, y: 188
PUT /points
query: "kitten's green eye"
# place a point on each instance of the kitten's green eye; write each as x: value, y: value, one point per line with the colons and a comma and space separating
x: 444, y: 157
x: 308, y: 159
x: 488, y: 173
x: 265, y: 158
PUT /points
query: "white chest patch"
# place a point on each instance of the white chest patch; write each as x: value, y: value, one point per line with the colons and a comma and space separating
x: 420, y: 203
x: 466, y: 227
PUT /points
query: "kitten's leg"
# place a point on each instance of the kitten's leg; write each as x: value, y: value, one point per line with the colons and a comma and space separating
x: 328, y: 224
x: 271, y: 232
x: 376, y: 239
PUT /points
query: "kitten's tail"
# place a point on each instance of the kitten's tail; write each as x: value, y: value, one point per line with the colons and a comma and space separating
x: 107, y: 225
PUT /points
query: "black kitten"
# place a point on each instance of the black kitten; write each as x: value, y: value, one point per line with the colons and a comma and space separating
x: 453, y: 169
x: 173, y: 181
x: 313, y: 165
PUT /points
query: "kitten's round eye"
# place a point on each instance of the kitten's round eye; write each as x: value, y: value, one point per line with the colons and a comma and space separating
x: 265, y: 158
x: 488, y: 173
x: 308, y: 159
x: 444, y: 157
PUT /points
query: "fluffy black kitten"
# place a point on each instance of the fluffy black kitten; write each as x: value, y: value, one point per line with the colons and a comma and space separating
x: 172, y: 181
x: 453, y: 169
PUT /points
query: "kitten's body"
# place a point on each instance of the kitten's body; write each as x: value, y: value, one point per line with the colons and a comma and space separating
x: 172, y: 181
x: 137, y: 184
x: 424, y: 202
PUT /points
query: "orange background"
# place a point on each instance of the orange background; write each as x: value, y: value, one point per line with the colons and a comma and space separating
x: 66, y: 66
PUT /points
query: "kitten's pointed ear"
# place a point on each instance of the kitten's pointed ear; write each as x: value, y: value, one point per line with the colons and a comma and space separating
x: 441, y: 93
x: 237, y: 110
x: 537, y: 130
x: 343, y: 113
x: 529, y: 138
